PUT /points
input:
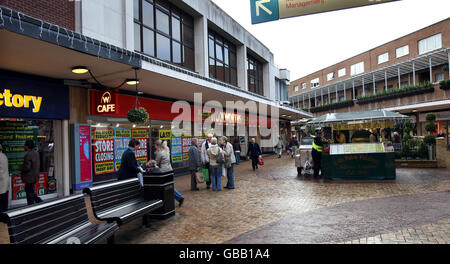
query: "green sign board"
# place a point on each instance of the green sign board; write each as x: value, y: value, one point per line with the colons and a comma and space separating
x: 270, y: 10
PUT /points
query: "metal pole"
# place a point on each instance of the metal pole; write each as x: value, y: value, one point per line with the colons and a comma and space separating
x: 309, y: 101
x: 353, y: 82
x: 364, y: 89
x: 345, y: 94
x: 329, y: 95
x: 337, y: 99
x: 431, y: 70
x: 399, y: 78
x: 374, y: 85
x: 414, y: 72
x: 321, y: 96
x: 385, y: 81
x: 448, y: 53
x: 315, y: 99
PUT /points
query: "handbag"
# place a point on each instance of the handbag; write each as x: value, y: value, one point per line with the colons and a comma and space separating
x: 205, y: 174
x: 199, y: 177
x: 260, y: 161
x: 227, y: 162
x: 220, y: 160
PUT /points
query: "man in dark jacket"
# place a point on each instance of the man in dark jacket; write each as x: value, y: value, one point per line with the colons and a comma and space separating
x: 254, y: 152
x: 30, y: 172
x: 194, y: 163
x: 317, y: 152
x: 129, y: 167
x: 237, y: 150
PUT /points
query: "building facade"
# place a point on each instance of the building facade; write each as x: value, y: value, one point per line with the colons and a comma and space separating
x: 91, y: 51
x: 403, y: 75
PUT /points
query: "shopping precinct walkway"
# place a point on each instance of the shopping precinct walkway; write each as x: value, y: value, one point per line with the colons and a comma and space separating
x: 273, y: 205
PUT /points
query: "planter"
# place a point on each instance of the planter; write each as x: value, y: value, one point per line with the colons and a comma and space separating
x: 332, y: 106
x: 393, y: 95
x: 445, y: 85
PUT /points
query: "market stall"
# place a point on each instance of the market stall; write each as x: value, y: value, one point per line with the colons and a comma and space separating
x: 360, y: 145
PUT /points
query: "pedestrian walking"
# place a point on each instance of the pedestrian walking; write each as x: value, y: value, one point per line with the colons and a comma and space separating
x: 237, y: 150
x: 230, y: 160
x: 254, y: 152
x: 213, y: 152
x: 129, y: 167
x: 30, y: 171
x: 162, y: 157
x: 205, y: 158
x: 194, y: 163
x: 317, y: 153
x: 4, y: 181
x: 279, y: 147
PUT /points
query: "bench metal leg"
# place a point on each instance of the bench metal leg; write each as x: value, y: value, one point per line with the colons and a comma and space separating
x: 145, y: 221
x: 111, y: 240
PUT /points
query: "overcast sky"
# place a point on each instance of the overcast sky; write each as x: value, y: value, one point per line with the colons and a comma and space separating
x: 306, y: 44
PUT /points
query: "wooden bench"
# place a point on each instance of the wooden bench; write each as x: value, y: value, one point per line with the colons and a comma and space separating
x: 60, y: 221
x: 121, y: 202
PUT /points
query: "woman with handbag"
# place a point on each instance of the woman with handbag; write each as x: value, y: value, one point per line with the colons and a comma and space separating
x: 230, y: 160
x: 216, y: 160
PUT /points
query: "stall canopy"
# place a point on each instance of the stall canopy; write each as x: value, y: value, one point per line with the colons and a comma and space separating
x: 357, y: 116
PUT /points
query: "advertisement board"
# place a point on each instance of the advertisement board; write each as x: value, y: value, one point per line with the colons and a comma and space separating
x: 187, y: 143
x: 18, y: 187
x: 142, y: 153
x: 176, y: 149
x: 122, y: 137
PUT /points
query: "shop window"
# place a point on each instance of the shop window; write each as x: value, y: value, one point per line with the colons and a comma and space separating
x: 439, y: 77
x: 13, y: 135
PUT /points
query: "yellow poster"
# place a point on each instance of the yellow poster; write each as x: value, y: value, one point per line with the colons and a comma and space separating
x: 165, y: 134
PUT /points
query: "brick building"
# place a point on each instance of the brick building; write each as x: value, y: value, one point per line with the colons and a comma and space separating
x: 415, y: 63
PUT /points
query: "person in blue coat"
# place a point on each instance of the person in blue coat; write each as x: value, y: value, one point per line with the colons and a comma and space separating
x: 254, y: 151
x: 129, y: 167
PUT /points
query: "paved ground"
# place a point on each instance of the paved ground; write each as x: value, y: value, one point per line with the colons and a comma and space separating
x: 273, y: 205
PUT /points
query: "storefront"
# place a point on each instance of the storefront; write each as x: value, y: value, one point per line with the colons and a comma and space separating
x: 111, y: 129
x: 33, y: 108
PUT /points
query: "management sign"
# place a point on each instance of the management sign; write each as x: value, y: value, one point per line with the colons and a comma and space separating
x: 270, y: 10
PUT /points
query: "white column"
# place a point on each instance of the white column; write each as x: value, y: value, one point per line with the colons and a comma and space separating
x: 385, y: 81
x: 448, y: 53
x: 345, y: 92
x: 399, y: 77
x: 329, y: 95
x: 201, y: 46
x: 414, y: 72
x: 309, y: 101
x: 321, y: 96
x: 364, y: 88
x: 241, y: 57
x: 337, y: 99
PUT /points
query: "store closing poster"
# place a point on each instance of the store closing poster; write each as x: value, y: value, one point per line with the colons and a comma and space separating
x: 103, y: 145
x: 122, y: 137
x: 142, y: 136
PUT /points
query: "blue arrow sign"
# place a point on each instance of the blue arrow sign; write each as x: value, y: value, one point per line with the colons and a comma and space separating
x: 264, y: 10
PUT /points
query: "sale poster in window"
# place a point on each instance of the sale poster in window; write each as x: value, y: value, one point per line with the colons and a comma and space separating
x: 103, y: 150
x: 187, y: 143
x: 122, y: 138
x: 142, y: 136
x: 177, y: 149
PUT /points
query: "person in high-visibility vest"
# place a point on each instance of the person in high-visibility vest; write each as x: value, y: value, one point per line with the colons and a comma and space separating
x: 317, y: 152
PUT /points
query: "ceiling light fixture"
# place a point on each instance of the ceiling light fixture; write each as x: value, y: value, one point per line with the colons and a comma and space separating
x: 80, y: 70
x: 132, y: 81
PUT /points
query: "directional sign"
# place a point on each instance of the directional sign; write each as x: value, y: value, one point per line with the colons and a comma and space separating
x: 270, y: 10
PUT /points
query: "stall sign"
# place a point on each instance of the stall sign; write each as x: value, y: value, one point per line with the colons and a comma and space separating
x: 142, y: 136
x: 103, y: 150
x: 23, y: 96
x: 187, y: 143
x: 12, y: 137
x: 177, y: 149
x: 122, y: 137
x: 18, y: 186
x: 165, y: 134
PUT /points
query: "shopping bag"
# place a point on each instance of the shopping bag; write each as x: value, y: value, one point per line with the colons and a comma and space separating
x: 141, y: 179
x: 260, y: 161
x: 199, y: 177
x: 224, y: 172
x: 205, y: 174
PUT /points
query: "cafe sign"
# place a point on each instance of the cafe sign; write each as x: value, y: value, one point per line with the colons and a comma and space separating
x: 105, y: 102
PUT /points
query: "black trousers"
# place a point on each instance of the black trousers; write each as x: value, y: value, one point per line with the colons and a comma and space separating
x: 193, y: 180
x: 317, y: 160
x: 4, y: 202
x: 31, y: 195
x: 255, y: 162
x: 208, y: 183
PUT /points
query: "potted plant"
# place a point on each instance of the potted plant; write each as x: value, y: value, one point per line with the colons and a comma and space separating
x: 137, y: 115
x: 430, y: 139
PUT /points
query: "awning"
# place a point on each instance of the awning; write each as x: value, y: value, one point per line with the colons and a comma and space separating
x: 357, y: 116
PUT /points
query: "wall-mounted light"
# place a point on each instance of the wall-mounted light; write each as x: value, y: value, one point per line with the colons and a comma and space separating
x: 414, y: 111
x: 134, y: 126
x: 132, y: 81
x: 117, y: 125
x: 80, y: 70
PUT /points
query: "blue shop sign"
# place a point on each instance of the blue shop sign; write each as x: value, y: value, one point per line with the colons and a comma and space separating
x: 24, y: 96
